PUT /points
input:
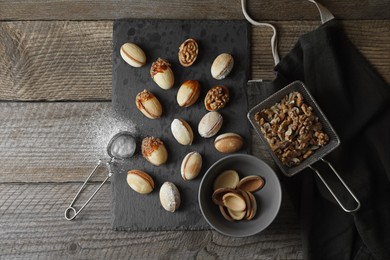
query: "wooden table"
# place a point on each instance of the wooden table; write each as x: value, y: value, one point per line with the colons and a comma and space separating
x: 55, y: 91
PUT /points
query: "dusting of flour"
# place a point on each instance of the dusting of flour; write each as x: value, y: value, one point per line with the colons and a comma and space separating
x: 104, y: 124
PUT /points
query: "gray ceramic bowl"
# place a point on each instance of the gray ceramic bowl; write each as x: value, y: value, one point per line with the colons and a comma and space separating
x: 268, y: 199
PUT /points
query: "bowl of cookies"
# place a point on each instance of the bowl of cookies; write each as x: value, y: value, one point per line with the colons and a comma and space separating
x: 239, y: 195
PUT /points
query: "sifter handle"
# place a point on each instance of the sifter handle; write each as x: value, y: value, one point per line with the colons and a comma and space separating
x: 69, y: 210
x: 331, y: 191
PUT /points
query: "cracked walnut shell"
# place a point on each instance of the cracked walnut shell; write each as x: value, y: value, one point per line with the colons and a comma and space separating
x: 188, y: 52
x: 216, y: 98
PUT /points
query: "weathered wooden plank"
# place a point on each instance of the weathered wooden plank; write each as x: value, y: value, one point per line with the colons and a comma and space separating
x: 54, y: 141
x: 32, y: 226
x: 60, y: 142
x: 55, y: 60
x: 72, y: 60
x: 204, y: 9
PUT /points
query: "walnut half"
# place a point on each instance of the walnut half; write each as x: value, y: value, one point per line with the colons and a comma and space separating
x: 188, y: 52
x: 217, y: 97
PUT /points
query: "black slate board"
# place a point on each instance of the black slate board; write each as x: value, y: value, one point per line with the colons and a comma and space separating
x: 162, y: 38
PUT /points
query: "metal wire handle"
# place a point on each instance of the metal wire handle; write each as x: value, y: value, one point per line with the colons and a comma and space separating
x: 331, y: 191
x: 70, y: 209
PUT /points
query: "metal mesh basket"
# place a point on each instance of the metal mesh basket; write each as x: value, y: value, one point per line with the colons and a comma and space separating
x: 320, y: 153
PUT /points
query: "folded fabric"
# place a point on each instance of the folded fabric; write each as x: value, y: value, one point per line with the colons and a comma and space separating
x: 356, y: 100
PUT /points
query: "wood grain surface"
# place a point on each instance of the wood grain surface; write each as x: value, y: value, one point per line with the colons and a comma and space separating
x: 61, y: 141
x: 53, y: 142
x: 60, y: 51
x: 202, y: 9
x: 55, y: 60
x: 72, y: 60
x: 32, y: 226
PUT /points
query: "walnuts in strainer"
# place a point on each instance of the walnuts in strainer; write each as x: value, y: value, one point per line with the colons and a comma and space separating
x: 292, y: 129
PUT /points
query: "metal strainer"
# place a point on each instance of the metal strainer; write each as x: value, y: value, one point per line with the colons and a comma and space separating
x: 319, y: 154
x: 120, y: 147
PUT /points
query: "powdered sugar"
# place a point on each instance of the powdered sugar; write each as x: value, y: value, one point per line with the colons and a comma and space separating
x: 105, y: 124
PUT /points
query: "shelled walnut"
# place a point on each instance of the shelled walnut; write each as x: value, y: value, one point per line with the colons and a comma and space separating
x: 188, y: 52
x: 292, y: 129
x: 217, y: 97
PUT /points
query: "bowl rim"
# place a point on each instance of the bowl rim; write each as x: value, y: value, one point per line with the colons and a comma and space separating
x: 279, y: 191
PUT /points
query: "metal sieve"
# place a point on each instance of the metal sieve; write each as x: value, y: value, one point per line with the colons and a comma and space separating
x: 319, y: 154
x: 120, y: 147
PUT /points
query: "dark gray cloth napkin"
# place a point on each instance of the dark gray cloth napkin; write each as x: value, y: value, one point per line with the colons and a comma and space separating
x: 356, y: 100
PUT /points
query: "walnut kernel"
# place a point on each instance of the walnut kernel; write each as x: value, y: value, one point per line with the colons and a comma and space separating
x: 292, y: 129
x: 188, y: 52
x: 216, y: 98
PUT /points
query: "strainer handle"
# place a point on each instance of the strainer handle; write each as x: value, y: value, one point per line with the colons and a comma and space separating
x: 71, y: 212
x: 331, y: 191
